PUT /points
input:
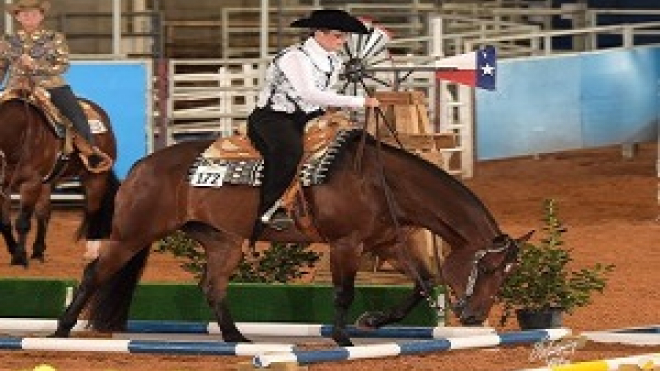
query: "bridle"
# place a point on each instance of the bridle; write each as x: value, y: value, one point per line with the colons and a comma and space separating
x: 510, y: 248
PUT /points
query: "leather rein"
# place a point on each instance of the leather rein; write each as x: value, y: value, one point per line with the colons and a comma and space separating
x: 509, y: 247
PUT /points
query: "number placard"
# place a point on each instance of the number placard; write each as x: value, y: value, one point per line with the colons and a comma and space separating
x: 209, y: 176
x: 97, y: 127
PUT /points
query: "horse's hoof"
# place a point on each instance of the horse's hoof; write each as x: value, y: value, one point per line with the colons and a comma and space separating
x: 243, y: 340
x: 343, y: 342
x: 341, y: 338
x: 19, y: 260
x: 370, y: 320
x: 239, y: 338
x: 38, y: 256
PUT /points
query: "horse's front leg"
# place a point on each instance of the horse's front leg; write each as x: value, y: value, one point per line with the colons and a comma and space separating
x: 406, y: 258
x: 30, y: 192
x: 42, y: 214
x: 377, y: 319
x: 344, y: 263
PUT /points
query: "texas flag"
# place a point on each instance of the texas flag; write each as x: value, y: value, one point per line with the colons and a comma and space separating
x: 473, y: 69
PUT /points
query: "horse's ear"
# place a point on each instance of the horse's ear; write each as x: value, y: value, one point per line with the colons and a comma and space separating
x: 526, y: 237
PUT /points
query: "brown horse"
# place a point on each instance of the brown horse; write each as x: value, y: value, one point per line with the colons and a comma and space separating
x: 29, y: 149
x: 355, y: 210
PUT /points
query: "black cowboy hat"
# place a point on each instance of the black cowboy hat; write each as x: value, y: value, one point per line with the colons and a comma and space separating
x: 331, y: 19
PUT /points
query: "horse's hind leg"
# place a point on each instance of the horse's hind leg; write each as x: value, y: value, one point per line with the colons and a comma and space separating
x: 22, y: 226
x: 116, y: 270
x: 223, y: 255
x: 5, y: 223
x: 81, y: 296
x: 42, y: 215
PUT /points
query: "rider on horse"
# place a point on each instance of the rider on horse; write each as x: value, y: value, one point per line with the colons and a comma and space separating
x: 38, y: 57
x: 298, y: 88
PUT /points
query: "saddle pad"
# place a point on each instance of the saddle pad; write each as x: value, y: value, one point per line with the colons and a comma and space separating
x: 41, y: 100
x: 94, y: 120
x: 209, y: 172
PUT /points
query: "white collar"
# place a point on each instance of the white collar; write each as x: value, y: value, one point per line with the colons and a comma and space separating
x: 320, y: 56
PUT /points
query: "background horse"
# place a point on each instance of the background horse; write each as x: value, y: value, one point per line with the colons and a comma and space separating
x: 355, y: 210
x: 28, y: 150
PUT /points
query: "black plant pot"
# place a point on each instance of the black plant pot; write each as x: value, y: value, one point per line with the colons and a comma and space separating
x: 529, y: 319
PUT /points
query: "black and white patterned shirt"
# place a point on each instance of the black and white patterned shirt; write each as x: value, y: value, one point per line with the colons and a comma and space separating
x: 302, y: 77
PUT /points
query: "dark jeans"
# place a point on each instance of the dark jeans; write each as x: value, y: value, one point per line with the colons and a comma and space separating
x: 64, y: 99
x: 278, y: 136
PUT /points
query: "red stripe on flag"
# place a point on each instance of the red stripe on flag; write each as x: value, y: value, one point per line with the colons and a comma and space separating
x: 466, y: 77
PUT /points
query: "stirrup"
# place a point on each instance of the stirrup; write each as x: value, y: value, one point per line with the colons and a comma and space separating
x: 280, y: 220
x: 265, y: 218
x: 277, y: 218
x: 95, y: 160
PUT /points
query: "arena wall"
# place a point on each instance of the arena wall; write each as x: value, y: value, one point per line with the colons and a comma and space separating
x: 558, y: 103
x: 123, y: 90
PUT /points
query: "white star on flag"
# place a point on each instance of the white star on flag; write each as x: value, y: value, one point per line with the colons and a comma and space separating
x: 487, y: 69
x: 477, y: 68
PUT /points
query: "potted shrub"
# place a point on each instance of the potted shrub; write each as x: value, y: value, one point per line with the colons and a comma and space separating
x: 543, y: 286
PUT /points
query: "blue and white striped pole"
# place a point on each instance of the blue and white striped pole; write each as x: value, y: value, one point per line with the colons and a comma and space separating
x: 390, y: 332
x: 253, y: 329
x: 395, y: 349
x: 142, y: 346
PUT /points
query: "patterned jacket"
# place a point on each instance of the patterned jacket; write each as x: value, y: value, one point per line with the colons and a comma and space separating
x: 278, y: 93
x: 49, y: 51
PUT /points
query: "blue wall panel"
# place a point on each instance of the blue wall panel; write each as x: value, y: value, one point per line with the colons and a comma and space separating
x: 121, y: 89
x: 619, y: 96
x: 533, y: 110
x: 560, y: 103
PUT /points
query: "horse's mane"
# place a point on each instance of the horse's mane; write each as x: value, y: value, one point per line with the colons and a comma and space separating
x: 352, y: 146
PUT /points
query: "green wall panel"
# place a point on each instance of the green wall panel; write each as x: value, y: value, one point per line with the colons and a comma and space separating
x: 270, y: 302
x: 33, y: 298
x: 37, y: 298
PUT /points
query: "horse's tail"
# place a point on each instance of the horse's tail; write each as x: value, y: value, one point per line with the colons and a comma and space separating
x: 97, y: 225
x: 109, y: 308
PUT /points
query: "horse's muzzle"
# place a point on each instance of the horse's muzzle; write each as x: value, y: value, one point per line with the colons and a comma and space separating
x: 471, y: 320
x: 469, y: 317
